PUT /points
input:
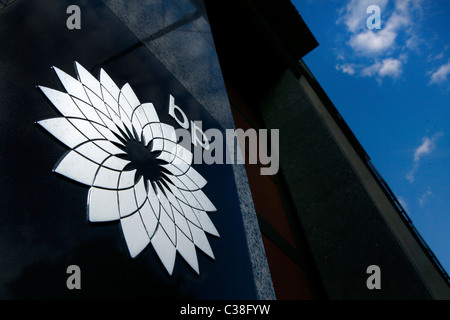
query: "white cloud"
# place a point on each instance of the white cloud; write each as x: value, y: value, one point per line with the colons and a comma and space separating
x: 440, y: 75
x: 372, y: 43
x: 379, y: 53
x: 387, y: 67
x: 435, y: 57
x: 348, y: 68
x: 371, y: 70
x: 410, y: 176
x: 432, y: 57
x: 426, y: 147
x: 403, y: 203
x: 424, y: 198
x: 390, y: 67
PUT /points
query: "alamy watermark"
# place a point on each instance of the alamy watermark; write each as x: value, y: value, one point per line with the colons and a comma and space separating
x: 74, y: 20
x: 374, y: 280
x: 215, y: 146
x: 374, y: 21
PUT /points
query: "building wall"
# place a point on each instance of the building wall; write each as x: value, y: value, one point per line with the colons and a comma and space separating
x: 347, y: 226
x: 281, y: 237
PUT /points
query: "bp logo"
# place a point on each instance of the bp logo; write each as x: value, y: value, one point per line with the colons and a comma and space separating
x: 136, y: 171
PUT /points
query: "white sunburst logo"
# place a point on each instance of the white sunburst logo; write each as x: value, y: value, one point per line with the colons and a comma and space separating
x: 136, y: 171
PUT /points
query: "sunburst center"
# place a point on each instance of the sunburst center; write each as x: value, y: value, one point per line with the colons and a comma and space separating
x: 143, y: 160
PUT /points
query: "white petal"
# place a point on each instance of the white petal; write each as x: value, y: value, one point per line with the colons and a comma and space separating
x: 109, y: 85
x: 182, y: 182
x: 156, y: 130
x: 109, y: 147
x: 141, y: 193
x: 191, y: 200
x: 189, y: 214
x: 172, y: 169
x: 103, y: 205
x: 140, y: 116
x: 111, y: 125
x: 88, y: 79
x: 172, y: 199
x: 181, y: 165
x: 170, y: 147
x: 206, y: 222
x: 86, y: 128
x: 176, y: 181
x: 126, y: 179
x: 63, y: 102
x: 127, y: 202
x: 108, y: 134
x: 169, y: 132
x: 72, y: 85
x: 201, y: 241
x: 196, y: 177
x: 165, y: 249
x: 125, y: 112
x: 184, y: 154
x: 88, y: 111
x: 165, y: 156
x: 110, y: 102
x: 125, y: 106
x: 187, y: 209
x: 93, y: 152
x: 115, y: 163
x: 168, y: 225
x: 136, y: 125
x: 64, y: 131
x: 118, y: 122
x: 78, y: 168
x: 135, y: 234
x: 164, y: 202
x: 153, y: 198
x: 147, y: 135
x: 187, y: 250
x: 106, y: 178
x: 150, y: 112
x: 130, y: 96
x: 149, y: 218
x: 182, y: 224
x: 204, y: 201
x: 98, y: 103
x: 157, y: 144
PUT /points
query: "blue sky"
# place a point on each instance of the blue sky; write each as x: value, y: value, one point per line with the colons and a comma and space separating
x: 392, y: 87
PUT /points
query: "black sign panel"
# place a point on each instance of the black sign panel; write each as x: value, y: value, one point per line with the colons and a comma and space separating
x: 44, y: 225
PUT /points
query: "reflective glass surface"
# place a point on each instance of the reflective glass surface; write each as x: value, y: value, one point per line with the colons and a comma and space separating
x: 70, y: 101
